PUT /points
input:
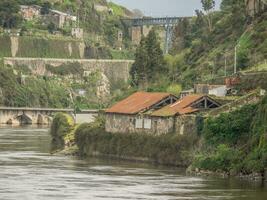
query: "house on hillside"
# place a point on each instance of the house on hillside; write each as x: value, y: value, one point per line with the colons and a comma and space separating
x: 60, y: 19
x: 217, y: 90
x: 29, y: 12
x: 157, y: 113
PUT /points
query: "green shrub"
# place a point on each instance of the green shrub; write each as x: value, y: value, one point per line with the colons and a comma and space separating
x: 62, y: 125
x: 74, y: 68
x: 164, y: 149
x: 229, y: 128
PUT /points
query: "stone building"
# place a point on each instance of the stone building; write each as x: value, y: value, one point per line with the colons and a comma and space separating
x: 60, y: 19
x: 29, y: 12
x: 216, y: 90
x: 77, y: 33
x: 157, y: 113
x: 255, y: 6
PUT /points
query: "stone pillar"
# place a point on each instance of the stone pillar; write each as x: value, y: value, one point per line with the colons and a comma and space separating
x: 136, y: 34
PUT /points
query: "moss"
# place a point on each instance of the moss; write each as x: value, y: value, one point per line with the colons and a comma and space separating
x: 5, y: 46
x: 47, y: 48
x: 62, y: 130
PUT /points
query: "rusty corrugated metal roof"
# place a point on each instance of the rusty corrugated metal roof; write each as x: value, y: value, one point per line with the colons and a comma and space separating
x: 137, y: 102
x: 181, y: 107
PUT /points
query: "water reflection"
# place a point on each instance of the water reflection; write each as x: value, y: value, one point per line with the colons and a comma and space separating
x: 28, y: 171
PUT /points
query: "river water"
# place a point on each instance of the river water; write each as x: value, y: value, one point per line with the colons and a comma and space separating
x: 29, y: 172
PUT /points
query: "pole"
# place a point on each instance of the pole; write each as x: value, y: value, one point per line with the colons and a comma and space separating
x: 235, y: 59
x: 225, y: 64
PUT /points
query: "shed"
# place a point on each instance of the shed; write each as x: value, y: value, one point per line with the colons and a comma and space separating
x: 132, y: 113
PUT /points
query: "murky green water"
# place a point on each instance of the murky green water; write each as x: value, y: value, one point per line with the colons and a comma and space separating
x: 29, y: 172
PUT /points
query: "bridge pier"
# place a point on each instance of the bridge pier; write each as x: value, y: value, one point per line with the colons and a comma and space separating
x: 168, y: 22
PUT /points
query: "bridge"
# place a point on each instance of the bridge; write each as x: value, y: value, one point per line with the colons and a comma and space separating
x: 167, y: 22
x: 40, y: 116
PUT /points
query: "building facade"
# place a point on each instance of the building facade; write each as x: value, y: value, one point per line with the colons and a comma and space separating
x: 29, y: 12
x: 157, y: 114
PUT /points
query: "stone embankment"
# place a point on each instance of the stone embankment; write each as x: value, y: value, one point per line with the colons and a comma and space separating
x: 250, y: 98
x: 116, y: 71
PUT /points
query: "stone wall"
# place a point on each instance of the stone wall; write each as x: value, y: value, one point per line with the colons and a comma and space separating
x: 186, y: 125
x: 18, y: 117
x: 182, y: 125
x: 250, y: 98
x: 117, y: 123
x: 29, y: 46
x: 115, y: 70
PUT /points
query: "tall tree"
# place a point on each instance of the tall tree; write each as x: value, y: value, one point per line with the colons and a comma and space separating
x: 208, y: 6
x: 149, y: 61
x: 139, y: 68
x: 9, y: 13
x: 46, y: 8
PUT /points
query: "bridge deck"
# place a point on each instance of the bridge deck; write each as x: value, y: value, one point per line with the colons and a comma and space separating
x: 45, y: 109
x: 155, y: 21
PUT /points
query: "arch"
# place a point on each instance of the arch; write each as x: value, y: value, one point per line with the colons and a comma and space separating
x: 24, y: 119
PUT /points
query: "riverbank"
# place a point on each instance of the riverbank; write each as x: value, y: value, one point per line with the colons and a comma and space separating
x: 28, y: 171
x: 232, y: 144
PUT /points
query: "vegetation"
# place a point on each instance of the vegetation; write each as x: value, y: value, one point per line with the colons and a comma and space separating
x: 62, y: 131
x: 41, y: 47
x: 32, y: 92
x: 74, y: 69
x: 201, y: 45
x: 168, y: 149
x: 149, y: 62
x: 236, y: 142
x: 9, y: 13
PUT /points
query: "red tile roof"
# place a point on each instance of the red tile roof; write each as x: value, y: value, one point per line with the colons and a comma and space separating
x: 137, y: 102
x: 181, y: 107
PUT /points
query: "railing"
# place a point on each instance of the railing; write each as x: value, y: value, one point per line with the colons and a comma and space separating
x: 154, y: 21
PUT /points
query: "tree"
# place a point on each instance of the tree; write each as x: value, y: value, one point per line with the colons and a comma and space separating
x: 208, y: 6
x: 139, y: 68
x: 149, y: 61
x: 9, y: 13
x: 51, y: 27
x: 236, y: 11
x: 46, y: 8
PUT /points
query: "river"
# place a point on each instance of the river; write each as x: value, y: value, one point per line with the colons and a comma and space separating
x: 29, y: 172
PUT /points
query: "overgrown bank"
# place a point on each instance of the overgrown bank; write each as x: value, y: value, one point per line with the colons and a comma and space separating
x: 232, y: 144
x: 235, y: 143
x: 92, y: 140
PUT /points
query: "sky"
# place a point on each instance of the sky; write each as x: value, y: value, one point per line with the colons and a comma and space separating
x: 163, y: 8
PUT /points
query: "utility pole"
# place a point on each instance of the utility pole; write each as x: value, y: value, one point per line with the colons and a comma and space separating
x: 235, y: 66
x: 235, y: 59
x: 225, y: 65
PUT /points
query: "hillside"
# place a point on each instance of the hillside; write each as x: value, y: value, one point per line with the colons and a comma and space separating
x: 200, y: 53
x: 99, y: 20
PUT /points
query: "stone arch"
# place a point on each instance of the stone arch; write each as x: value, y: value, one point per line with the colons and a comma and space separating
x: 24, y: 119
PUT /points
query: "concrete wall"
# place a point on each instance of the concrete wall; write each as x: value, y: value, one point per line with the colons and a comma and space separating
x: 114, y: 70
x: 85, y: 118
